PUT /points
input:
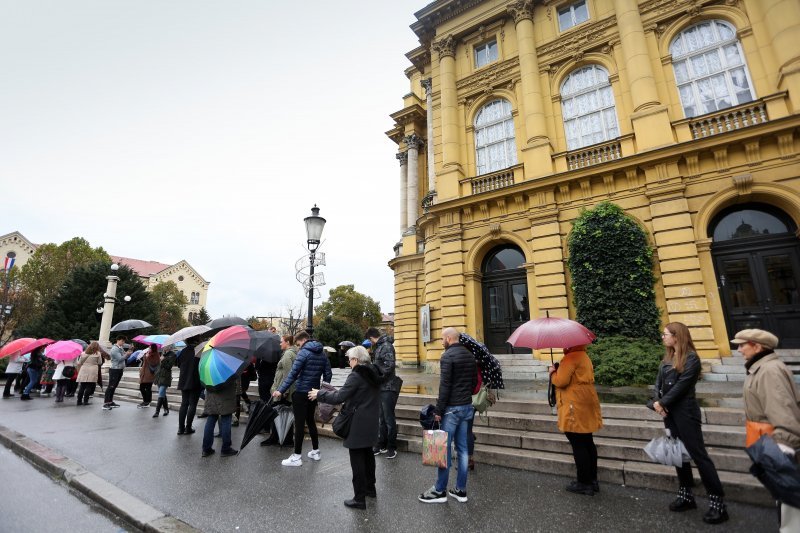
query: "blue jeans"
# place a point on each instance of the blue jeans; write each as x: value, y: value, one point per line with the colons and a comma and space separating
x: 224, y: 429
x: 162, y: 391
x: 456, y: 423
x: 33, y: 376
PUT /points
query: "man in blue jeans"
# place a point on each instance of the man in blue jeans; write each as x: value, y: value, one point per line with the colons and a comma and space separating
x: 454, y: 410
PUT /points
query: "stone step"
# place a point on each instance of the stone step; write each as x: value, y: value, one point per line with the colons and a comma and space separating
x: 728, y: 369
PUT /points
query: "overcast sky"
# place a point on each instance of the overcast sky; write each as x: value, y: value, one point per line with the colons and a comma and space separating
x: 206, y: 130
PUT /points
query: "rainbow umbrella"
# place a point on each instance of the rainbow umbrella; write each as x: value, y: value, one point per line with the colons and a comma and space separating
x: 225, y: 356
x: 13, y: 347
x: 63, y: 351
x: 35, y: 344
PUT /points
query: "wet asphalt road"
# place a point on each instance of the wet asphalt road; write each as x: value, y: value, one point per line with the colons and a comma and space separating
x: 253, y: 492
x: 32, y: 501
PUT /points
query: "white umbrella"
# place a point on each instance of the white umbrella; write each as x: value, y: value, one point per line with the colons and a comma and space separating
x: 185, y: 333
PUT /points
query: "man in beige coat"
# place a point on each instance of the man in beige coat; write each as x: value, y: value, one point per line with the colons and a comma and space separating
x: 771, y: 402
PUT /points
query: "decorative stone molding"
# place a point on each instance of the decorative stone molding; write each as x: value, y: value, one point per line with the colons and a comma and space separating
x: 467, y: 214
x: 608, y: 181
x: 521, y: 10
x: 721, y: 158
x: 786, y: 145
x: 413, y: 141
x: 563, y: 189
x: 427, y: 84
x: 484, y: 208
x: 584, y: 39
x: 402, y: 157
x: 633, y: 178
x: 445, y: 47
x: 752, y: 151
x: 586, y: 188
x: 501, y: 206
x: 498, y: 72
x: 692, y: 164
x: 494, y: 229
x: 743, y: 184
x: 520, y: 201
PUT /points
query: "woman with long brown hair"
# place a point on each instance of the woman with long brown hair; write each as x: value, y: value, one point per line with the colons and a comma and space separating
x: 675, y: 401
x: 88, y: 370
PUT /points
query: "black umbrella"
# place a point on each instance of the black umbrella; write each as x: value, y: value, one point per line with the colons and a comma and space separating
x: 491, y: 372
x: 82, y: 343
x: 284, y: 422
x: 261, y: 415
x: 226, y: 322
x: 127, y: 325
x: 775, y: 470
x: 269, y: 346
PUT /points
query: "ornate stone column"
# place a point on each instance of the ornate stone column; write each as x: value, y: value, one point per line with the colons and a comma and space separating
x: 446, y: 47
x: 536, y: 149
x: 782, y: 20
x: 403, y: 158
x: 650, y: 119
x: 413, y: 143
x: 427, y: 84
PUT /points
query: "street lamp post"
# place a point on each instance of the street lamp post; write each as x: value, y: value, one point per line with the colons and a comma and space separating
x: 314, y: 226
x: 109, y: 299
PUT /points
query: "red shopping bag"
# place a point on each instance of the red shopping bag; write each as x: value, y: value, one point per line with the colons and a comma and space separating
x: 434, y: 448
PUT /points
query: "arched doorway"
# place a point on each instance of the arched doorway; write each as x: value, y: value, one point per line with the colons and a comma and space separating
x: 505, y: 296
x: 757, y: 262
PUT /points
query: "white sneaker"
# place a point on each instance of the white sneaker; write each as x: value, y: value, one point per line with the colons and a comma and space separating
x: 293, y: 460
x: 314, y: 454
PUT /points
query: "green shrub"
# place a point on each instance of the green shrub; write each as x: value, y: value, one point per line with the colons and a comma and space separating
x: 621, y: 361
x: 611, y: 263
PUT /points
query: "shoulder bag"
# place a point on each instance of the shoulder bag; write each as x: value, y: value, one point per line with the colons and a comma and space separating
x: 342, y: 422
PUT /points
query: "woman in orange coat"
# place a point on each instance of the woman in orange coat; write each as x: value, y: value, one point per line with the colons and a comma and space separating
x: 578, y: 414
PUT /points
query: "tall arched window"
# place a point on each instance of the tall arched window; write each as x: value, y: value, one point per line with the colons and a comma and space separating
x: 495, y: 145
x: 710, y: 68
x: 587, y: 104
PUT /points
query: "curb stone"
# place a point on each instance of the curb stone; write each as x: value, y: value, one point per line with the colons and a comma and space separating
x: 128, y: 507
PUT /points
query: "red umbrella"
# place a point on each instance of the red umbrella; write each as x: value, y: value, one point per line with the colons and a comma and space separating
x: 13, y: 347
x: 550, y: 332
x: 35, y: 344
x: 63, y: 351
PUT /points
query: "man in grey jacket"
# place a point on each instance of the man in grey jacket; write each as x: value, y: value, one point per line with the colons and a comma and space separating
x: 118, y: 357
x: 384, y: 357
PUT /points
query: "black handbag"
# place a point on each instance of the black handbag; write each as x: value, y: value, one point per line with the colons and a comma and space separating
x: 341, y: 424
x: 67, y: 372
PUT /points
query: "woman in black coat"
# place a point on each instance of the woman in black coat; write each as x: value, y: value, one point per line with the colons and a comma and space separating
x: 190, y: 386
x: 675, y: 402
x: 361, y: 392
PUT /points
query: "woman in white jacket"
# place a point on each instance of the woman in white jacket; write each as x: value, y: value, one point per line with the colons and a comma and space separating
x: 61, y: 380
x: 13, y: 371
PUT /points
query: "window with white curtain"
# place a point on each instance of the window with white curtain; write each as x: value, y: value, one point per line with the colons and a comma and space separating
x: 572, y: 15
x: 588, y: 109
x: 495, y: 145
x: 485, y: 54
x: 710, y: 68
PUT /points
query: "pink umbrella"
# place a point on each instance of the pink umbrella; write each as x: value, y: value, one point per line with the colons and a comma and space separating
x: 36, y: 344
x: 63, y: 351
x: 13, y: 347
x: 550, y: 332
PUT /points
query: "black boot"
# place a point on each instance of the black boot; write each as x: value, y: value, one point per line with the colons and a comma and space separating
x: 158, y: 408
x: 166, y: 406
x: 717, y: 512
x: 684, y: 501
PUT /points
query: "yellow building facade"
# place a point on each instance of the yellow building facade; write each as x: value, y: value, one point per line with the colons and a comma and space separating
x: 520, y: 114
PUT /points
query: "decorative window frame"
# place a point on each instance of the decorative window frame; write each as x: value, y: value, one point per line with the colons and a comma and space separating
x: 569, y: 3
x: 475, y: 108
x: 494, y: 31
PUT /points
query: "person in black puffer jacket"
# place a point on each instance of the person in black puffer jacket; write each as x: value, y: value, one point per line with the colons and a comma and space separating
x: 385, y: 360
x: 454, y: 410
x: 309, y: 367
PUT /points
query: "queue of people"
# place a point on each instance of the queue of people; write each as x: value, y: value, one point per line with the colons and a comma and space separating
x: 771, y: 401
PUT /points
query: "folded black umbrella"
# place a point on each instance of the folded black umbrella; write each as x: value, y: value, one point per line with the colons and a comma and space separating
x: 261, y: 416
x: 775, y: 470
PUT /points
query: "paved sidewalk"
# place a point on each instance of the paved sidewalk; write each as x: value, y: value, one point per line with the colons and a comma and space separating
x: 145, y: 458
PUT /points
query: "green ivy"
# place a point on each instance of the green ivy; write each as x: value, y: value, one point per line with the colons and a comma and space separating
x: 611, y: 263
x: 620, y: 361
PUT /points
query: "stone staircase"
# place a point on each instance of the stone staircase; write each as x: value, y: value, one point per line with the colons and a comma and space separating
x: 732, y: 368
x: 522, y: 434
x: 522, y: 366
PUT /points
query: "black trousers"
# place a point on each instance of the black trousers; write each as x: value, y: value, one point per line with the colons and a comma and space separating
x: 189, y: 399
x: 303, y: 410
x: 362, y: 462
x: 147, y: 392
x: 114, y: 377
x: 266, y: 375
x: 585, y: 454
x: 9, y: 381
x: 683, y: 422
x: 61, y: 388
x: 85, y: 390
